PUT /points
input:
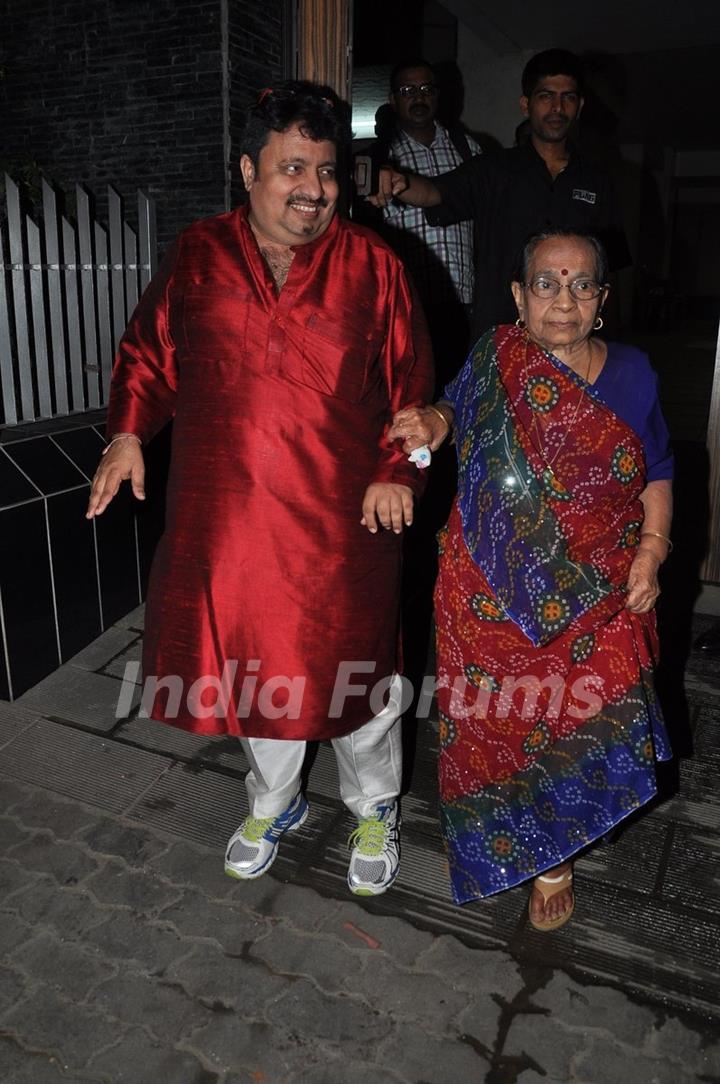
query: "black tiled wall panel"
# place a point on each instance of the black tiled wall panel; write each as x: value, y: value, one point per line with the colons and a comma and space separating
x: 45, y: 465
x: 83, y: 446
x: 27, y: 595
x: 64, y: 579
x: 14, y: 487
x: 117, y: 557
x: 72, y: 545
x: 4, y: 685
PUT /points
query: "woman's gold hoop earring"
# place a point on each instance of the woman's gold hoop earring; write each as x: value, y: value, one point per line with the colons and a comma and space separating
x: 598, y: 323
x: 520, y: 323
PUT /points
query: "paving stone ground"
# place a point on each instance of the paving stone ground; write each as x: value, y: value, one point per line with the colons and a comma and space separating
x: 127, y: 956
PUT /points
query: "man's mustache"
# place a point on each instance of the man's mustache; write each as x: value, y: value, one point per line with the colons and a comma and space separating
x: 321, y: 202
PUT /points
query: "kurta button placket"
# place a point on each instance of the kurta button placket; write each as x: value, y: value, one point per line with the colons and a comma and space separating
x: 276, y: 337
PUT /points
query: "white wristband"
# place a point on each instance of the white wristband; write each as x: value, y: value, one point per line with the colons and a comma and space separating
x: 421, y: 457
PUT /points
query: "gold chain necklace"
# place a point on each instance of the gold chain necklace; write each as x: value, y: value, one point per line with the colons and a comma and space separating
x: 537, y: 443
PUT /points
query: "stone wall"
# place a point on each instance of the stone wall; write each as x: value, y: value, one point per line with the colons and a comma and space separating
x: 132, y: 93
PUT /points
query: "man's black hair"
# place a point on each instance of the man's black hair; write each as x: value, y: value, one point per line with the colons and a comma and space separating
x: 411, y: 62
x: 552, y: 62
x: 315, y: 108
x: 562, y: 233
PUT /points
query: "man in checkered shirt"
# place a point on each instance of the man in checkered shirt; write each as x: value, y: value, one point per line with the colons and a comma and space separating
x: 440, y: 258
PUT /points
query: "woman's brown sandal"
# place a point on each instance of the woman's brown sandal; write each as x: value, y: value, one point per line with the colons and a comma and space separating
x: 548, y: 887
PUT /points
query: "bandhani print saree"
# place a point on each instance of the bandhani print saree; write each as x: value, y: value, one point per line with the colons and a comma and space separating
x: 549, y: 725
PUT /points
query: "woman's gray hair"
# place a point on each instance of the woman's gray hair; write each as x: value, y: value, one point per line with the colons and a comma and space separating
x: 562, y: 232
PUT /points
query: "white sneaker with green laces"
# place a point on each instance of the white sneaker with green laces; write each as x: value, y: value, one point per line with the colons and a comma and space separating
x: 252, y: 849
x: 375, y: 858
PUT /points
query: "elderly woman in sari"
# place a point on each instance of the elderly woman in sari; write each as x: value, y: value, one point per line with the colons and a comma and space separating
x: 546, y: 635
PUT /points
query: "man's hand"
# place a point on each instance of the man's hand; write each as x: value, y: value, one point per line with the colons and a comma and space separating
x: 416, y: 426
x: 122, y: 461
x: 390, y: 504
x: 391, y: 184
x: 642, y: 583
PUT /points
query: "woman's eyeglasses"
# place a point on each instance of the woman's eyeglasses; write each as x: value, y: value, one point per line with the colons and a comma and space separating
x: 581, y: 289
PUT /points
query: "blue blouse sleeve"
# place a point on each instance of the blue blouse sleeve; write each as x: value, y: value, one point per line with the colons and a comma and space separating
x: 628, y: 385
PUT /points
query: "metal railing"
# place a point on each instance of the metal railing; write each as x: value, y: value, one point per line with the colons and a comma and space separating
x: 66, y: 293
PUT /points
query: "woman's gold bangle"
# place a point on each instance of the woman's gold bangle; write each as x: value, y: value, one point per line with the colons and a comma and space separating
x: 441, y: 415
x: 656, y: 534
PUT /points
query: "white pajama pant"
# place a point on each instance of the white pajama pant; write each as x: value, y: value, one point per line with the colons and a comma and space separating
x: 369, y: 764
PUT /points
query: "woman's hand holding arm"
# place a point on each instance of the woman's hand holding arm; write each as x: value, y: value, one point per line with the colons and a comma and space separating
x: 417, y: 426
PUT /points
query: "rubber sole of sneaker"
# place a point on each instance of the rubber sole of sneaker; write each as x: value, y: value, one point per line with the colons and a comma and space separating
x: 238, y: 876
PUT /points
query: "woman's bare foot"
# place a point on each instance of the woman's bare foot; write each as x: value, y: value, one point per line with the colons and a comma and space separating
x: 552, y: 900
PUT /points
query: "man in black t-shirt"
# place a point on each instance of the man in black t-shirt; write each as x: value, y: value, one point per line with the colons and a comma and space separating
x: 513, y: 193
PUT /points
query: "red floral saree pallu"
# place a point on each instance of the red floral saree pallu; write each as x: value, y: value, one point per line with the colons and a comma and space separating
x: 549, y: 726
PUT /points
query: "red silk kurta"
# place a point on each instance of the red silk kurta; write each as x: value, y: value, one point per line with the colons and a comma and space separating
x: 265, y: 581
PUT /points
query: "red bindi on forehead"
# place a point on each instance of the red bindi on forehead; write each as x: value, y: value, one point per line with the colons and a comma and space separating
x: 563, y: 271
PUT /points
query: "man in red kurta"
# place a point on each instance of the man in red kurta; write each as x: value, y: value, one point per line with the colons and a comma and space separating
x: 281, y: 340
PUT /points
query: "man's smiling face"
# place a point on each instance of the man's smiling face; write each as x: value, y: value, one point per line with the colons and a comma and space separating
x: 294, y: 191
